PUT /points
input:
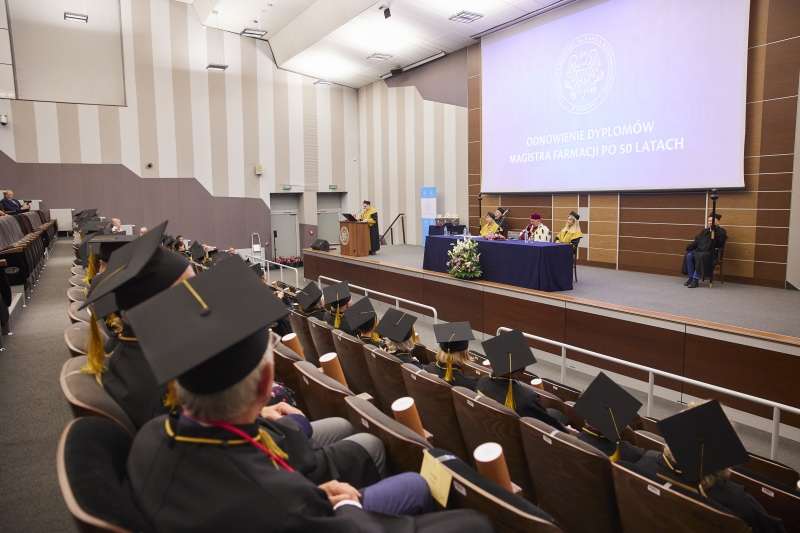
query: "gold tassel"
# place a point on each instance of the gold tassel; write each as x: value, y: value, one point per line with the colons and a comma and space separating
x: 96, y: 355
x: 375, y: 336
x: 300, y: 308
x: 614, y: 458
x: 337, y: 318
x: 448, y: 373
x: 171, y: 400
x: 270, y: 445
x: 510, y: 397
x: 90, y: 268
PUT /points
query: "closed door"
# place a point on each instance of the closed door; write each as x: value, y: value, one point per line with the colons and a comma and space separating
x: 286, y: 225
x: 328, y: 227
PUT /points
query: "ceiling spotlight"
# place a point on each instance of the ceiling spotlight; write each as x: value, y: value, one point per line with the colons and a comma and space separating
x: 380, y: 57
x: 465, y: 17
x: 77, y: 17
x: 322, y: 82
x: 256, y: 33
x: 216, y: 66
x: 386, y: 12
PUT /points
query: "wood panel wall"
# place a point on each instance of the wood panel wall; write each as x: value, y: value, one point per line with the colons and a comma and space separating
x: 649, y: 232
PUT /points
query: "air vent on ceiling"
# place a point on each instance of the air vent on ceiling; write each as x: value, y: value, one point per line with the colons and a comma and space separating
x: 465, y: 17
x: 380, y: 57
x: 256, y: 33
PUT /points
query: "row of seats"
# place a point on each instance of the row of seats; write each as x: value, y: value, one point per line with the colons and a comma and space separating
x: 25, y: 242
x: 570, y: 480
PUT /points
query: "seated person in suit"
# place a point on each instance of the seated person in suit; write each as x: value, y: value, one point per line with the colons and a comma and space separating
x: 491, y: 227
x: 363, y: 318
x: 500, y: 219
x: 698, y: 261
x: 453, y: 352
x: 510, y: 354
x: 686, y: 463
x: 13, y: 206
x: 536, y: 231
x: 311, y: 301
x: 607, y: 409
x: 223, y: 379
x: 397, y: 328
x: 337, y: 300
x: 571, y: 231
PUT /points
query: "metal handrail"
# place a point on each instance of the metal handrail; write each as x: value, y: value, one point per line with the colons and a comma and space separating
x: 391, y: 226
x: 652, y: 372
x: 264, y: 261
x: 397, y: 299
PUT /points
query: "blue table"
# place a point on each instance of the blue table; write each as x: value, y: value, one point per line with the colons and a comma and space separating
x: 542, y: 266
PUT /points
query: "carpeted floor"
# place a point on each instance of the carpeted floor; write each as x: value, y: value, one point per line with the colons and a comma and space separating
x: 33, y: 411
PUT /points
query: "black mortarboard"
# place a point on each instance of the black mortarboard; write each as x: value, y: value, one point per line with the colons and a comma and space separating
x: 91, y: 226
x: 703, y: 440
x: 361, y: 315
x: 105, y: 305
x: 508, y: 352
x: 715, y: 215
x: 84, y: 250
x: 491, y: 215
x: 139, y: 270
x: 110, y: 243
x: 396, y: 325
x: 574, y: 215
x: 210, y: 331
x: 86, y: 213
x: 453, y: 337
x: 337, y: 295
x: 256, y: 268
x: 607, y: 406
x: 197, y: 252
x: 309, y: 295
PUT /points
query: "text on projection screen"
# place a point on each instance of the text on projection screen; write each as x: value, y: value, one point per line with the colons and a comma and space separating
x: 617, y: 95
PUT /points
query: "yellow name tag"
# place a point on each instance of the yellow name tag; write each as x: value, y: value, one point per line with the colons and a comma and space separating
x: 437, y: 477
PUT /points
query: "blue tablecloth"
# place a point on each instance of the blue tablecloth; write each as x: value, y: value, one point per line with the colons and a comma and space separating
x: 542, y: 266
x: 439, y: 230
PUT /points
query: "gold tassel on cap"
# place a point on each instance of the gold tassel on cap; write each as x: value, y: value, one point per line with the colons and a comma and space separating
x: 510, y: 396
x: 171, y: 400
x: 269, y: 444
x: 90, y: 268
x: 96, y: 355
x: 337, y: 318
x: 375, y: 336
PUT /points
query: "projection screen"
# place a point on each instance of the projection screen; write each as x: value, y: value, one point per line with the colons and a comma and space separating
x: 617, y: 95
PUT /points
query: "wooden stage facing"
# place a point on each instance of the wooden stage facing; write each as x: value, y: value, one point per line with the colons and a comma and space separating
x: 766, y: 365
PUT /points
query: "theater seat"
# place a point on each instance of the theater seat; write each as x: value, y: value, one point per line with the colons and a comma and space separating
x: 780, y: 501
x: 354, y: 365
x: 646, y: 505
x: 300, y: 326
x: 773, y: 470
x: 434, y: 400
x: 76, y: 314
x: 572, y: 479
x: 403, y: 447
x: 87, y: 398
x: 285, y: 358
x: 323, y: 395
x: 322, y: 335
x: 565, y: 393
x: 386, y: 375
x: 76, y: 294
x: 484, y: 420
x: 91, y: 473
x: 77, y: 338
x: 508, y: 512
x: 649, y: 441
x: 78, y: 281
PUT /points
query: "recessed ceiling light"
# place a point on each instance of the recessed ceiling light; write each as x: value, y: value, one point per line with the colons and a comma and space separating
x: 253, y: 32
x: 322, y: 82
x: 216, y: 66
x: 380, y: 57
x: 465, y: 17
x: 77, y: 17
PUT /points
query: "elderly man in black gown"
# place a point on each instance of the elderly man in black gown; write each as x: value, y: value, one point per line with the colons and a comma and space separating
x: 698, y: 260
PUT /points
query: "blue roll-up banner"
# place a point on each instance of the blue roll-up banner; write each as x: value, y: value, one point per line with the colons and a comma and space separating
x: 428, y: 198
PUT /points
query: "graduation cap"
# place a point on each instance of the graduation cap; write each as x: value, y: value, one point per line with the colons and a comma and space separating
x: 715, y: 215
x: 139, y: 270
x: 85, y: 214
x: 308, y: 296
x: 196, y: 251
x: 607, y: 406
x: 396, y: 325
x: 574, y: 215
x: 337, y: 295
x: 84, y: 251
x: 256, y: 267
x: 91, y: 226
x: 105, y: 305
x: 108, y: 244
x: 453, y: 337
x: 491, y: 215
x: 210, y: 331
x: 703, y: 441
x: 361, y: 315
x: 508, y: 351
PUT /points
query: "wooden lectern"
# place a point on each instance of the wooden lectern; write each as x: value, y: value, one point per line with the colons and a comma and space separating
x: 354, y: 238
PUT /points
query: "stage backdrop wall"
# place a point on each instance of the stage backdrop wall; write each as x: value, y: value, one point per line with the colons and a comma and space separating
x: 203, y: 131
x: 649, y: 232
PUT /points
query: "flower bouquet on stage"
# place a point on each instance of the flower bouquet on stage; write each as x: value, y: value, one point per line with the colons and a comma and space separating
x: 465, y: 261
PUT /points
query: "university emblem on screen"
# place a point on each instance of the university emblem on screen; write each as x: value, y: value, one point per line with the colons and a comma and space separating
x: 584, y: 74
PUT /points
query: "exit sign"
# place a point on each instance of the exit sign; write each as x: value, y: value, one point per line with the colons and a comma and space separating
x: 287, y: 187
x: 334, y: 186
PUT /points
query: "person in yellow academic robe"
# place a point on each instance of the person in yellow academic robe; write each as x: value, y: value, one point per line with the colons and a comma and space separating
x: 571, y: 230
x: 370, y: 215
x: 491, y: 226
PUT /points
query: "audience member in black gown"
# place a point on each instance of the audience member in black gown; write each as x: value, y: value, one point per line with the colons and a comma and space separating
x: 687, y: 462
x: 363, y: 318
x: 311, y: 302
x: 510, y: 354
x: 337, y: 300
x: 500, y: 220
x: 607, y: 409
x: 453, y: 339
x: 397, y: 329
